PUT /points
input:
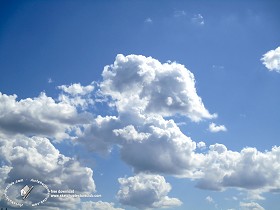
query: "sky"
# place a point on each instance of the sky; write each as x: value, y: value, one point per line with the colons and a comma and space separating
x: 143, y: 104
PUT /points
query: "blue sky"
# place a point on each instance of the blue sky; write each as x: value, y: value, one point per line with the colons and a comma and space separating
x: 187, y: 72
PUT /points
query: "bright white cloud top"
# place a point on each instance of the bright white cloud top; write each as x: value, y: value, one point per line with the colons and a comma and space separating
x: 271, y: 60
x: 144, y: 85
x: 216, y: 128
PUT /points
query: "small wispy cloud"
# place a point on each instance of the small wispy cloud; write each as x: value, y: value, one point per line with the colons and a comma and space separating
x: 198, y: 19
x: 179, y: 13
x: 210, y: 200
x: 148, y: 20
x: 250, y: 206
x: 50, y: 80
x: 218, y: 67
x: 216, y: 128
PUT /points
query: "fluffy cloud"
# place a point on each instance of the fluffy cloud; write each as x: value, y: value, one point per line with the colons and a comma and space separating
x: 166, y: 150
x: 216, y: 128
x: 137, y: 87
x: 77, y: 95
x: 144, y: 85
x: 77, y: 89
x: 39, y: 116
x: 144, y: 92
x: 201, y: 145
x: 249, y: 169
x: 129, y: 133
x: 150, y: 143
x: 251, y: 206
x: 98, y: 206
x: 146, y: 191
x: 99, y: 136
x: 36, y: 158
x: 147, y: 143
x: 271, y: 60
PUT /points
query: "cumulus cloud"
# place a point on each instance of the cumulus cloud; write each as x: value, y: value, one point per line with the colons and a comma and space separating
x: 142, y: 93
x: 77, y: 89
x: 147, y: 143
x: 36, y: 158
x: 167, y: 149
x: 99, y: 136
x: 100, y: 205
x: 145, y: 191
x: 216, y: 128
x: 129, y: 133
x: 249, y: 169
x: 139, y: 84
x: 251, y: 206
x: 271, y: 60
x: 77, y: 95
x: 201, y: 145
x: 39, y: 116
x: 150, y: 143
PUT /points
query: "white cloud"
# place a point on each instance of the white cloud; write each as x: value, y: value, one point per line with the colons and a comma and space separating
x: 216, y: 128
x: 209, y: 199
x: 129, y: 133
x: 145, y: 191
x: 251, y: 206
x: 179, y: 13
x: 77, y: 89
x: 201, y: 145
x: 150, y: 143
x: 167, y: 150
x: 198, y: 19
x: 139, y: 84
x: 137, y: 87
x: 98, y: 206
x: 39, y: 116
x: 271, y: 60
x: 50, y: 80
x: 148, y: 20
x: 36, y: 158
x: 250, y: 170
